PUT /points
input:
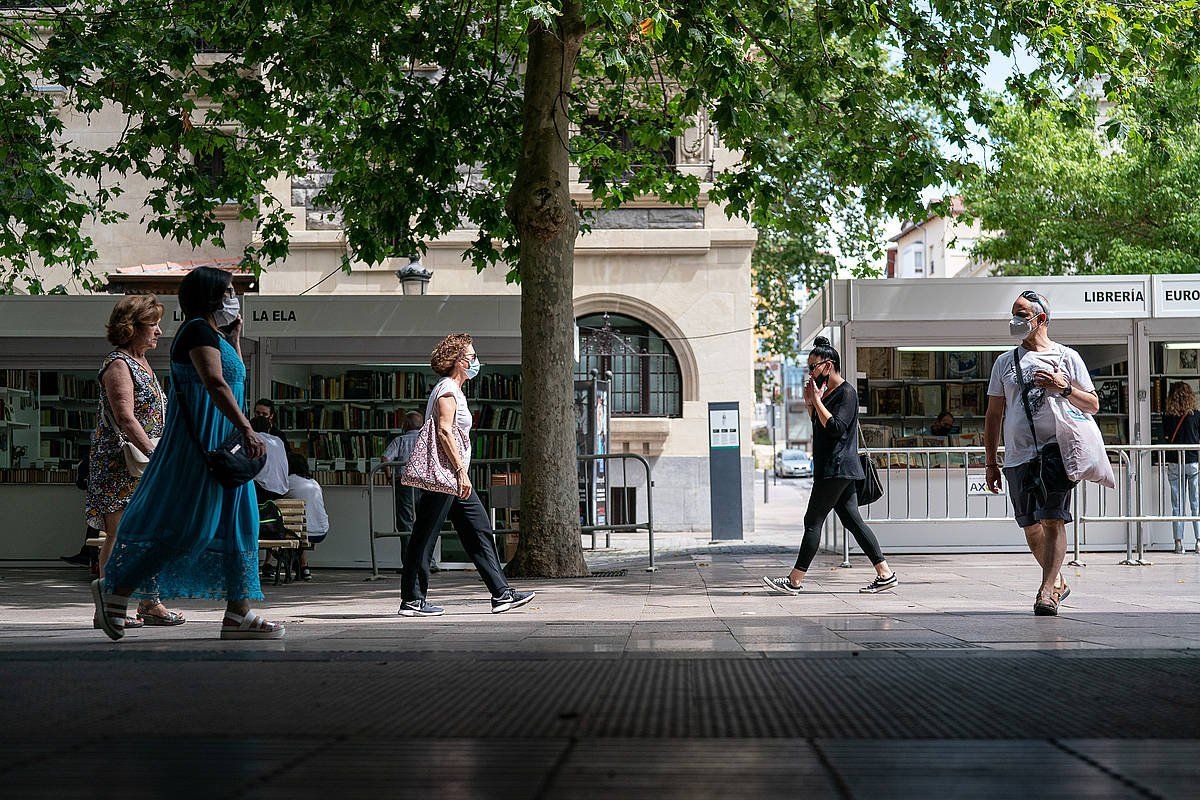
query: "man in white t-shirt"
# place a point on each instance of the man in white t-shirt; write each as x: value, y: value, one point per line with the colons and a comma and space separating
x: 1052, y: 373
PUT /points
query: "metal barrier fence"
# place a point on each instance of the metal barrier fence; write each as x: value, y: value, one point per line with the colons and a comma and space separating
x: 513, y: 501
x: 949, y: 488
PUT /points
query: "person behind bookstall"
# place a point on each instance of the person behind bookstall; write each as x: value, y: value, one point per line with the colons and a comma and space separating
x: 183, y: 529
x: 301, y: 486
x: 1181, y: 425
x: 837, y: 470
x: 1019, y: 404
x: 131, y: 413
x: 455, y: 360
x: 399, y: 450
x: 264, y: 408
x: 942, y: 426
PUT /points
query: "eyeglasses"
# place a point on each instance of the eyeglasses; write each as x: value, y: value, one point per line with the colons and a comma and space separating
x: 811, y: 367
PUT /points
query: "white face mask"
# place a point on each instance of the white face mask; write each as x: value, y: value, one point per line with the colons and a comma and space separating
x: 1020, y: 328
x: 473, y: 367
x: 228, y: 312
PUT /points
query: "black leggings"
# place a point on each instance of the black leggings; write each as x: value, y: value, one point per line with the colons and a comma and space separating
x: 474, y: 530
x: 841, y: 496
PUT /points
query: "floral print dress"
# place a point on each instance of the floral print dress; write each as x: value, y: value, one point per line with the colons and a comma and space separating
x: 110, y: 486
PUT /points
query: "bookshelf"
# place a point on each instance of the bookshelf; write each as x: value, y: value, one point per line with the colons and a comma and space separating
x: 46, y: 423
x: 343, y: 417
x: 903, y: 392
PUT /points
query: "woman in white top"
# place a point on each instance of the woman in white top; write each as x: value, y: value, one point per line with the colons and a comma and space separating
x: 455, y: 360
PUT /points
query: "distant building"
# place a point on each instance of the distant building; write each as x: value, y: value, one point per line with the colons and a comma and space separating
x: 936, y: 247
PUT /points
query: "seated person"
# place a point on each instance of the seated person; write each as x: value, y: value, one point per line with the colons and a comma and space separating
x: 271, y: 481
x: 400, y: 450
x: 301, y: 486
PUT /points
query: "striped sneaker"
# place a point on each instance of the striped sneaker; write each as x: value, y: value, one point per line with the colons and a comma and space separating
x: 782, y: 585
x: 880, y: 584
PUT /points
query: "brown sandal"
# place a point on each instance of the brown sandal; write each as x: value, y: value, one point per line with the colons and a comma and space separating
x: 1045, y: 606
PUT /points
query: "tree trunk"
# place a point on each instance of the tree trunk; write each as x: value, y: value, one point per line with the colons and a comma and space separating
x: 540, y: 207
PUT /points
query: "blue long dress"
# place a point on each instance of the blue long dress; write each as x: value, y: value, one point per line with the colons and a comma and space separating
x: 198, y: 537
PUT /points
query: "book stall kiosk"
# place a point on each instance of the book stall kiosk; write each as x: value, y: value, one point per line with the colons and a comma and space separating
x: 341, y: 369
x: 917, y: 348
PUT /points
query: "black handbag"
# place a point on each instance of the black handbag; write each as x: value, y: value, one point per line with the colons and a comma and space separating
x: 227, y: 463
x: 1046, y: 474
x: 870, y: 488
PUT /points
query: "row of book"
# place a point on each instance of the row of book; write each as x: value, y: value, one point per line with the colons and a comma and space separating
x: 67, y: 386
x: 887, y: 363
x: 32, y: 475
x: 352, y: 416
x: 927, y: 400
x: 17, y: 379
x: 68, y: 418
x: 69, y: 450
x: 376, y: 385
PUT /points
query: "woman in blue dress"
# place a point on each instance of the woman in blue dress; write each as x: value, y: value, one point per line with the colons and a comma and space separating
x: 195, y: 536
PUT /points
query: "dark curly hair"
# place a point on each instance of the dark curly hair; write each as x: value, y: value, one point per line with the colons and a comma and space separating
x: 129, y: 312
x: 449, y: 351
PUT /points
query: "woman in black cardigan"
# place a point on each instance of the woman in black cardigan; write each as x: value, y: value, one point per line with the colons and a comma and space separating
x: 833, y: 404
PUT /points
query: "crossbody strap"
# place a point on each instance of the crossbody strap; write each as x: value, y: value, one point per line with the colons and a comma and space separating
x: 1179, y: 425
x: 1024, y: 394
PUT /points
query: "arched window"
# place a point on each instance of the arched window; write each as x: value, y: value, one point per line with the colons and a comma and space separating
x: 645, y: 372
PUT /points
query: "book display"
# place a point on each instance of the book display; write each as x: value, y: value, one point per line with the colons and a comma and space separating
x: 901, y: 409
x: 46, y: 423
x: 1167, y: 367
x: 342, y: 418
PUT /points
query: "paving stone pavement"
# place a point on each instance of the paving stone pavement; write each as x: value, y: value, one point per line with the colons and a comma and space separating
x: 688, y: 682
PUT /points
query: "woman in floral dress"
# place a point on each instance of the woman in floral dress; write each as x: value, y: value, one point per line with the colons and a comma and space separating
x: 132, y: 409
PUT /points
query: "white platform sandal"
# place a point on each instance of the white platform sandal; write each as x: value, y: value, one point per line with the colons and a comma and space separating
x: 110, y: 611
x: 250, y: 626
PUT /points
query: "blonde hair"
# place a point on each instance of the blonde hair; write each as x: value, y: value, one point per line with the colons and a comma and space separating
x: 1181, y: 400
x: 129, y: 312
x: 448, y: 351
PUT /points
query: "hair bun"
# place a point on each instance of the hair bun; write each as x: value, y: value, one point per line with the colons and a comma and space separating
x: 821, y: 341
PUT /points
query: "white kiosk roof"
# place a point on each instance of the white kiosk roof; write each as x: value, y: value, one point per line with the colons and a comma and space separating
x: 1089, y: 297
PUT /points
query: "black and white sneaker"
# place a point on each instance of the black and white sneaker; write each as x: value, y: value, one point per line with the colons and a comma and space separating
x: 880, y: 584
x: 510, y: 599
x: 782, y: 585
x: 419, y: 608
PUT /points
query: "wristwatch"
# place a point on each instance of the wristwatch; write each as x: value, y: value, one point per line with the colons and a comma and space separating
x: 1067, y: 391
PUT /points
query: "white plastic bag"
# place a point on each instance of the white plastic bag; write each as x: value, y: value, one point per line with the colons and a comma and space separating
x: 1081, y: 444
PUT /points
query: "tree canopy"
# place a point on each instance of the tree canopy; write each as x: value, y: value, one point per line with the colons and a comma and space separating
x: 1069, y: 197
x: 414, y: 109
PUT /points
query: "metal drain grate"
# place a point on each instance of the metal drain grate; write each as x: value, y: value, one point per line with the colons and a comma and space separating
x: 607, y: 573
x: 920, y: 646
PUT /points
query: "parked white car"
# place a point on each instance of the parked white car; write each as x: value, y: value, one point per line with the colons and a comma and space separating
x: 793, y: 464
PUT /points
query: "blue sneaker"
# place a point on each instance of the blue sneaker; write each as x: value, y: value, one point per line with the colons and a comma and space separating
x: 510, y: 599
x: 419, y: 608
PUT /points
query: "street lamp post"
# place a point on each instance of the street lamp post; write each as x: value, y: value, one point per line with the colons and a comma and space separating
x: 414, y: 278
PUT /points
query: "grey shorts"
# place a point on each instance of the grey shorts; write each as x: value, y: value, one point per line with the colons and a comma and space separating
x: 1029, y: 509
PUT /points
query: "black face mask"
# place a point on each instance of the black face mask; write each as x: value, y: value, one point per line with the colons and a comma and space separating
x: 821, y: 380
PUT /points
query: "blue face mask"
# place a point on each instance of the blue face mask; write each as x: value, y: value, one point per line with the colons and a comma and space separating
x: 473, y: 367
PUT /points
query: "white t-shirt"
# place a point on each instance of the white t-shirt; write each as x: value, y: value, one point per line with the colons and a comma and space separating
x: 462, y: 414
x: 274, y: 474
x: 1019, y: 446
x: 309, y: 491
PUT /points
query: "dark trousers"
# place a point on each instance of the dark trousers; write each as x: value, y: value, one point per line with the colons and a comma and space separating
x: 474, y: 530
x: 406, y: 504
x: 839, y: 495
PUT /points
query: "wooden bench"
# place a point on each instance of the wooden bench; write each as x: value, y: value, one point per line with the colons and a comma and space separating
x: 286, y: 551
x: 294, y: 519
